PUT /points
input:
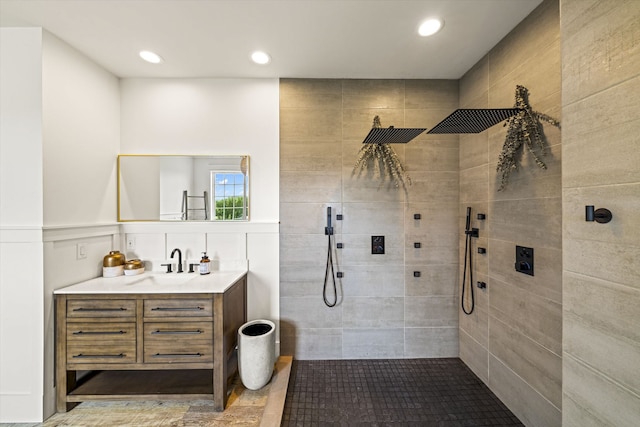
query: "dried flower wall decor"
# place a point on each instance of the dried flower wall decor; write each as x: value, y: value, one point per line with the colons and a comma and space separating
x: 523, y: 128
x: 382, y: 160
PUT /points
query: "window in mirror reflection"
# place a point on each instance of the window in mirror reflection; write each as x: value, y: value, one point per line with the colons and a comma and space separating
x: 229, y: 195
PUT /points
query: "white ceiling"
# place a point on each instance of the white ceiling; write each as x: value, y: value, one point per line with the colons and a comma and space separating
x: 306, y: 38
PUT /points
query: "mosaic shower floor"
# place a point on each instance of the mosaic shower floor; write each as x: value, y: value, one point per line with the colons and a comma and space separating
x: 405, y: 392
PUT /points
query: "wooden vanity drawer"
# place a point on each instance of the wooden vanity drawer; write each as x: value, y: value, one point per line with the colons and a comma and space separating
x: 158, y: 308
x: 124, y: 352
x: 100, y: 333
x: 178, y: 342
x: 183, y: 353
x: 100, y: 308
x: 171, y: 332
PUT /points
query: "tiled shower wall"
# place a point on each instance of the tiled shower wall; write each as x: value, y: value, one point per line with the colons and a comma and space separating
x: 383, y: 310
x: 513, y: 339
x: 601, y: 294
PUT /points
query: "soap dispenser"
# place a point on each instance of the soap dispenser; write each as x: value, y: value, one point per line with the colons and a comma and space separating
x: 205, y: 264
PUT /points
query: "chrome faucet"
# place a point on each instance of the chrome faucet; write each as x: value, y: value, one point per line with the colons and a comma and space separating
x: 179, y: 259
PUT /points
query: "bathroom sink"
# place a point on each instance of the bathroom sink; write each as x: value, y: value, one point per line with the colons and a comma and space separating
x: 165, y: 279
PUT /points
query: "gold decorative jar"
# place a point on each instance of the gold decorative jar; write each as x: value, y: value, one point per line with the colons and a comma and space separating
x: 113, y: 264
x: 133, y: 267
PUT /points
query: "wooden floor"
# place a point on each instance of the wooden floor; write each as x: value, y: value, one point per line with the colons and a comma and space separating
x: 257, y: 408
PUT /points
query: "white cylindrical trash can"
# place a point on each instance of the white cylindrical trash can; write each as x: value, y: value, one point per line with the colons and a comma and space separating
x: 256, y: 353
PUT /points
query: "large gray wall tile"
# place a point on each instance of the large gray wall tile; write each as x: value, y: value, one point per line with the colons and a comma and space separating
x: 536, y: 222
x: 601, y: 131
x: 622, y: 200
x: 309, y: 312
x: 538, y: 318
x: 436, y: 279
x: 475, y: 356
x: 309, y: 344
x: 601, y: 315
x: 596, y: 400
x: 431, y: 342
x: 378, y: 343
x: 528, y: 405
x: 533, y: 363
x: 310, y: 93
x: 373, y: 312
x: 384, y: 280
x: 373, y: 94
x: 600, y: 46
x: 423, y: 94
x: 432, y: 311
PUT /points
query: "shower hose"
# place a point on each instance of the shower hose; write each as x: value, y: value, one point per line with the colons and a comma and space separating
x: 326, y: 277
x: 467, y: 251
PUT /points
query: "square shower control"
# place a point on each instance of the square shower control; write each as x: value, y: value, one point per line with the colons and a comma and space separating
x: 377, y: 245
x: 524, y: 260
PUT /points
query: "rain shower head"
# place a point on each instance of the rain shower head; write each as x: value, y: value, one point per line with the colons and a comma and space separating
x: 469, y: 120
x: 391, y: 135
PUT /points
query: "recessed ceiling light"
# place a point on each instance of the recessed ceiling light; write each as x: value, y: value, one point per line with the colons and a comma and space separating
x: 151, y: 57
x: 430, y: 27
x: 260, y: 57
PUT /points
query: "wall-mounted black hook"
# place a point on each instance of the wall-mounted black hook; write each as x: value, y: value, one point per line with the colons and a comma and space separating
x: 417, y: 216
x: 481, y: 216
x: 600, y: 215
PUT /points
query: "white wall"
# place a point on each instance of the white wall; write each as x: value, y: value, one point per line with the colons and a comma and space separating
x: 81, y: 116
x: 21, y: 281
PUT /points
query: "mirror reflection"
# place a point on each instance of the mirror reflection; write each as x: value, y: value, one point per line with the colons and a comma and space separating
x: 183, y: 188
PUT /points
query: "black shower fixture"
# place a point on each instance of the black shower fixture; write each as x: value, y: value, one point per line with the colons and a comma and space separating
x: 600, y: 215
x: 392, y: 135
x: 473, y: 120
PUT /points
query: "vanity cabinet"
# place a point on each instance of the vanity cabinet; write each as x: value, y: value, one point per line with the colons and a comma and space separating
x: 142, y: 346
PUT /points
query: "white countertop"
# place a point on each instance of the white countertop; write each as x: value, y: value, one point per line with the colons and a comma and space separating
x: 157, y: 283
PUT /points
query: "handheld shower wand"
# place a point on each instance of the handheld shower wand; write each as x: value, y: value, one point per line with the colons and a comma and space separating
x: 469, y: 233
x: 328, y: 230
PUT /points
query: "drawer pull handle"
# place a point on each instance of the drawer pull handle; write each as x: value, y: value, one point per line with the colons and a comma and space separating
x: 99, y: 333
x: 103, y: 356
x: 178, y: 355
x: 99, y: 309
x: 159, y: 332
x: 177, y: 309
